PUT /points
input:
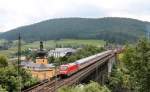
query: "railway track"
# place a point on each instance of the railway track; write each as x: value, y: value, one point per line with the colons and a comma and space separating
x: 53, y: 85
x: 38, y: 87
x: 74, y: 78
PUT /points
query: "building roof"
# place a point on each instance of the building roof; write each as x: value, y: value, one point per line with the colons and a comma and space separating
x: 63, y: 50
x: 35, y: 66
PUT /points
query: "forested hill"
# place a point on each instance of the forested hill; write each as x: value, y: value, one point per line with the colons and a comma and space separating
x: 111, y: 29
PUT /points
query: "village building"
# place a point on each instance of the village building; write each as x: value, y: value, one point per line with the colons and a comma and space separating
x: 61, y: 52
x: 41, y: 69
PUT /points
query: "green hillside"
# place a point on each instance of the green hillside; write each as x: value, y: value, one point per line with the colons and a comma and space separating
x: 118, y: 30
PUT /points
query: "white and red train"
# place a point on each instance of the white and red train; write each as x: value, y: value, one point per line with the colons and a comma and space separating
x: 71, y: 68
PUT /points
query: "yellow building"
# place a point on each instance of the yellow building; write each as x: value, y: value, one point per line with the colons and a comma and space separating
x: 41, y: 60
x: 43, y: 72
x: 40, y: 69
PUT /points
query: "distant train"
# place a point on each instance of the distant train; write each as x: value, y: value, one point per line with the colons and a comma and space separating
x: 71, y: 68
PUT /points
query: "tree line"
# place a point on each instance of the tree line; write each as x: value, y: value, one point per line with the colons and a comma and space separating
x: 132, y: 73
x: 119, y: 30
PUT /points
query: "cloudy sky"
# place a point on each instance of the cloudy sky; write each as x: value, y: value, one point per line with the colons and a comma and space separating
x: 15, y: 13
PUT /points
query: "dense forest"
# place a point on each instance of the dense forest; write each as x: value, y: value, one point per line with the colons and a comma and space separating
x: 119, y: 30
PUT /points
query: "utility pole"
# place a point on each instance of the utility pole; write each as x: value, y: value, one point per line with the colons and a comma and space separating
x: 55, y: 87
x: 148, y: 32
x: 19, y: 49
x: 19, y: 59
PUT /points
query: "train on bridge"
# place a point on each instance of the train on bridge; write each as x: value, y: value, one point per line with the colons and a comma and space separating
x: 71, y: 68
x: 73, y: 71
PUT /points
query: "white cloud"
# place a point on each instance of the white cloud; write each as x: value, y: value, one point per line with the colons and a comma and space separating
x: 15, y: 13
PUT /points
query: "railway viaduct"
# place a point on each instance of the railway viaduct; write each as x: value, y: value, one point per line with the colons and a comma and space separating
x: 98, y: 71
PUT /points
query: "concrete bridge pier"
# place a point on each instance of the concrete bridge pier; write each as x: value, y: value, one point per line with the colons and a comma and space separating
x: 100, y: 73
x: 111, y: 63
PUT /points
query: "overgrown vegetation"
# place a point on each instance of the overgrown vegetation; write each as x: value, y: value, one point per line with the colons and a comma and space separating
x: 132, y: 73
x: 91, y: 87
x: 11, y: 80
x: 137, y: 63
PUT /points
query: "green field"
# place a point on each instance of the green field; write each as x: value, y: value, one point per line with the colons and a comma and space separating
x: 65, y: 42
x: 52, y: 44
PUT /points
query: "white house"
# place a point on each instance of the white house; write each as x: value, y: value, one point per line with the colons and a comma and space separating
x: 60, y: 52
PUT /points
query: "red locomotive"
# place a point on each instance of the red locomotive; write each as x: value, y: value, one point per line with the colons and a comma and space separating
x: 71, y: 68
x: 68, y: 69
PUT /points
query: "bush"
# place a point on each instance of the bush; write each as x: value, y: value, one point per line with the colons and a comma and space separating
x: 91, y: 87
x: 3, y: 61
x: 2, y: 89
x: 12, y: 82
